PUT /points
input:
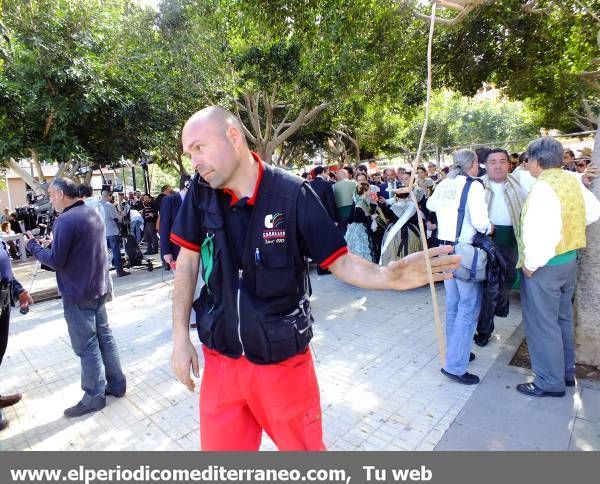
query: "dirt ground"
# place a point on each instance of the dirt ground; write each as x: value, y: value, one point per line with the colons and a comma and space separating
x: 584, y: 372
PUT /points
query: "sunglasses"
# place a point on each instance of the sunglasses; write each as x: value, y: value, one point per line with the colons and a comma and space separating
x: 581, y: 165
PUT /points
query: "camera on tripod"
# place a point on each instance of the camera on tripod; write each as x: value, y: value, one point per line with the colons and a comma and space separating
x: 39, y: 214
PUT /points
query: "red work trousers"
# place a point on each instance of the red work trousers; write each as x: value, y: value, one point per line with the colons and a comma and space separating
x: 239, y: 399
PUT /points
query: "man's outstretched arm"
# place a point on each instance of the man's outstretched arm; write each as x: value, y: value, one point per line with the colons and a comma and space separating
x: 407, y: 273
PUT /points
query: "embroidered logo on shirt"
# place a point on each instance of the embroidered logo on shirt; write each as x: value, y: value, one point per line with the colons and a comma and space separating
x: 274, y: 220
x: 274, y: 229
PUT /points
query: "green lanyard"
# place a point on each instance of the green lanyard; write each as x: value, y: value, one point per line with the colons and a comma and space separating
x: 206, y: 253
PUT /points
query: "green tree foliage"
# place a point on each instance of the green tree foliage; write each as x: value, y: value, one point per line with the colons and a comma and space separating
x: 347, y: 53
x: 59, y: 96
x: 458, y: 120
x: 178, y: 65
x: 96, y: 80
x: 538, y: 57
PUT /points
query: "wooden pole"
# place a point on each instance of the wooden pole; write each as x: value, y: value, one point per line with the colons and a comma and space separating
x: 436, y: 311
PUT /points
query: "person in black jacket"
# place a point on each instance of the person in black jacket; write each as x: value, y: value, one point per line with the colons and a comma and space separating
x: 165, y: 191
x: 150, y: 216
x: 324, y: 191
x: 251, y: 227
x: 168, y: 212
x: 10, y: 291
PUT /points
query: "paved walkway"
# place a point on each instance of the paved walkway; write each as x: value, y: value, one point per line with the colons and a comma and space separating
x: 497, y: 417
x: 376, y: 360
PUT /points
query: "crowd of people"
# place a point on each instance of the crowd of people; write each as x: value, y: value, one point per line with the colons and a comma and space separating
x: 478, y: 205
x: 375, y: 211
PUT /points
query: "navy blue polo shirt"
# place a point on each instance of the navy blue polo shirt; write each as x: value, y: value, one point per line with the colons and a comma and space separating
x: 318, y: 236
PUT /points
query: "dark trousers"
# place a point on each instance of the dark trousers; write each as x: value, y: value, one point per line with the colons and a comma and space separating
x: 4, y: 320
x: 548, y: 314
x: 114, y: 244
x: 150, y: 237
x: 344, y: 214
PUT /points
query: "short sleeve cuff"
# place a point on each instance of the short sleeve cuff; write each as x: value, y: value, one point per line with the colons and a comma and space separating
x: 333, y: 257
x: 183, y: 243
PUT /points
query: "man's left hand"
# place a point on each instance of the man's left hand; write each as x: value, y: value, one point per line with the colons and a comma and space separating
x: 25, y: 299
x: 411, y: 271
x: 589, y: 174
x: 46, y: 241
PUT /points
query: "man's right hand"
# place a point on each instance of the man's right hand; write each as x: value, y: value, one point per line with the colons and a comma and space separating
x: 184, y: 355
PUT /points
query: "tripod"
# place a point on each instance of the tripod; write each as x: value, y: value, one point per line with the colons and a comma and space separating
x: 38, y: 264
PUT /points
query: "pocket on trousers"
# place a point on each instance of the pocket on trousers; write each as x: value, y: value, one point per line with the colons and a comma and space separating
x: 212, y: 381
x: 290, y: 385
x: 313, y: 429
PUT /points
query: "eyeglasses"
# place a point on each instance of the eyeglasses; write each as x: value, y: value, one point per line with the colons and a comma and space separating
x: 581, y: 165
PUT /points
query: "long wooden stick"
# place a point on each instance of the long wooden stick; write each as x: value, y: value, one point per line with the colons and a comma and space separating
x: 436, y: 312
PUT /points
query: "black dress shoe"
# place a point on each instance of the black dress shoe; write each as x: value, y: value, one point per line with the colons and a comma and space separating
x: 83, y: 409
x: 481, y: 339
x: 8, y: 400
x: 570, y: 382
x: 110, y: 393
x: 532, y: 390
x: 471, y: 356
x: 466, y: 378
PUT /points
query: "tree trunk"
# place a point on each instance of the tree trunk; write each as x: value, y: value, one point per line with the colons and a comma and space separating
x: 587, y: 294
x: 180, y: 167
x: 38, y: 166
x: 262, y: 131
x: 31, y: 181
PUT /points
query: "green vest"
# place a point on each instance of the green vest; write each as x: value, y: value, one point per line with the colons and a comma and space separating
x: 572, y: 205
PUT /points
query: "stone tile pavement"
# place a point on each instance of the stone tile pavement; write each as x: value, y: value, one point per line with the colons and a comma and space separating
x: 497, y: 417
x: 375, y: 352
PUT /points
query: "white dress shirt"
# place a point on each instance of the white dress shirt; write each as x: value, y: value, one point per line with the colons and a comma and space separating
x: 445, y: 202
x: 499, y: 214
x: 542, y: 223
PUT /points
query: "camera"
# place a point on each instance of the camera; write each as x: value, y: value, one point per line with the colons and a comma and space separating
x: 39, y: 214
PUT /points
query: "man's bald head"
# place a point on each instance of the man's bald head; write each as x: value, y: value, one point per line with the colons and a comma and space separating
x: 214, y: 139
x: 342, y: 174
x: 216, y: 117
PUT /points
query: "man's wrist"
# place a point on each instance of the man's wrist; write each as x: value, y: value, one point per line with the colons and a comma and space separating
x: 181, y: 335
